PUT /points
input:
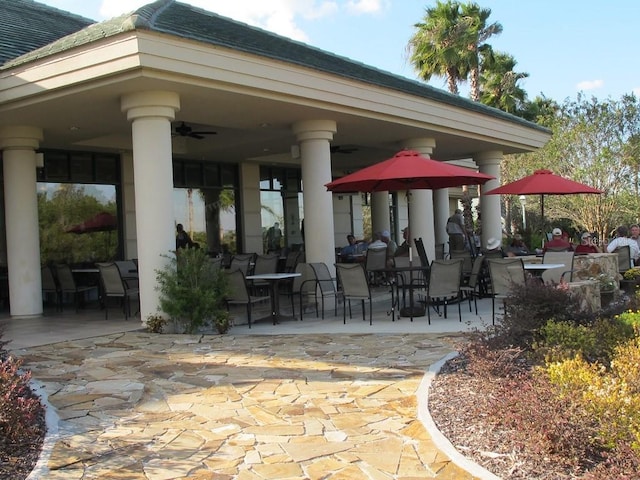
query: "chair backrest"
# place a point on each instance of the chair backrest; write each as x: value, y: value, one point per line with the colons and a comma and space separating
x: 376, y: 259
x: 323, y: 277
x: 111, y: 279
x: 445, y: 277
x: 554, y: 275
x: 416, y: 277
x: 504, y: 273
x: 476, y: 271
x: 624, y: 258
x: 216, y: 263
x: 237, y: 286
x: 422, y: 253
x: 65, y: 278
x: 48, y: 280
x: 291, y: 261
x: 126, y: 267
x: 305, y: 283
x: 353, y: 279
x: 241, y: 262
x: 266, y: 264
x: 439, y: 250
x: 467, y: 260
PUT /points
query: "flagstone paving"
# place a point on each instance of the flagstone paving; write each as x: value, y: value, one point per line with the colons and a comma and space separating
x: 324, y: 406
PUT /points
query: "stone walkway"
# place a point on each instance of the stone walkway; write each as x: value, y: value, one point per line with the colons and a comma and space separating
x: 325, y: 406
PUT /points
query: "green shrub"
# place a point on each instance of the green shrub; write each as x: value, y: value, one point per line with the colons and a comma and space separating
x: 612, y: 397
x: 529, y: 307
x: 192, y: 291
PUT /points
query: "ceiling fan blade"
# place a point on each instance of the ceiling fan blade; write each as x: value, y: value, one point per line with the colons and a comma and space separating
x: 205, y: 133
x: 196, y: 135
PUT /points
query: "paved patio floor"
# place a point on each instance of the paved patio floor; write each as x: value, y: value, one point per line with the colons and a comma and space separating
x: 299, y: 400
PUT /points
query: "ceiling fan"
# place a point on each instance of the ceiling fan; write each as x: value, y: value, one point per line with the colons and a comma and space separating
x: 343, y: 149
x: 184, y: 130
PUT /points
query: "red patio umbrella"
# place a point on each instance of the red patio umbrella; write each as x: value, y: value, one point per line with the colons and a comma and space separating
x: 407, y: 170
x: 102, y: 222
x: 543, y: 182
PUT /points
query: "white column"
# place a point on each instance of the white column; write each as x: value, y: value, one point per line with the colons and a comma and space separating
x: 151, y: 114
x: 490, y: 216
x: 380, y: 212
x: 314, y: 137
x: 21, y: 215
x: 421, y: 218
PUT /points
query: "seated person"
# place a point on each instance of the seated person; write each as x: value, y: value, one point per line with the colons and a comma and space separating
x: 621, y: 240
x: 587, y: 245
x: 347, y: 253
x: 403, y: 249
x: 494, y: 248
x: 391, y: 247
x: 517, y: 247
x: 557, y: 242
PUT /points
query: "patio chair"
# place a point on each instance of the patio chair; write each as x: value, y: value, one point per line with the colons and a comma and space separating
x: 445, y: 277
x: 303, y: 287
x: 113, y: 286
x: 291, y: 261
x: 68, y: 285
x: 242, y: 262
x: 50, y: 287
x: 411, y: 281
x: 422, y: 253
x: 624, y: 258
x: 472, y: 288
x: 467, y: 264
x: 239, y: 293
x: 375, y: 261
x: 264, y: 264
x: 504, y: 274
x: 355, y: 286
x: 558, y: 275
x: 326, y: 286
x: 128, y: 272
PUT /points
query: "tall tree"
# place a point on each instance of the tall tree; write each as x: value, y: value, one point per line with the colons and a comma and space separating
x: 448, y: 43
x: 499, y: 83
x: 437, y: 45
x: 590, y: 144
x: 474, y: 21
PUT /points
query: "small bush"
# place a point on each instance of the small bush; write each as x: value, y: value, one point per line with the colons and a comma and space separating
x: 611, y: 397
x: 21, y: 412
x: 529, y: 307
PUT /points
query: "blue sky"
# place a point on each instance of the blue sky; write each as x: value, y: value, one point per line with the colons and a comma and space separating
x: 566, y: 46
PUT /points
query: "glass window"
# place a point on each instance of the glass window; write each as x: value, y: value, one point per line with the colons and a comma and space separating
x: 193, y: 175
x: 82, y: 167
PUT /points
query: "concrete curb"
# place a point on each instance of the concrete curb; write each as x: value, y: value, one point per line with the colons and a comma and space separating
x: 41, y: 470
x: 443, y: 444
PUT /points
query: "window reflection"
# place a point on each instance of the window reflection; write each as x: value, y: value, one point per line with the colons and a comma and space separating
x: 209, y: 216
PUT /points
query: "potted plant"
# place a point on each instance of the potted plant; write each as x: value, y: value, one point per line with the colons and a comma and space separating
x: 630, y: 280
x: 192, y: 291
x: 607, y: 289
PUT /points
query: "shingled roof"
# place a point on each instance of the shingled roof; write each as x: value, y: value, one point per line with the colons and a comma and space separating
x: 26, y: 25
x: 186, y: 21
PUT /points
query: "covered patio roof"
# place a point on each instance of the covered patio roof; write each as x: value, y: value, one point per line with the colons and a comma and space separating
x: 246, y: 84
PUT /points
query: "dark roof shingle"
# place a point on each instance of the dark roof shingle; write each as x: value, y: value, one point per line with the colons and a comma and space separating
x: 26, y: 25
x: 186, y: 21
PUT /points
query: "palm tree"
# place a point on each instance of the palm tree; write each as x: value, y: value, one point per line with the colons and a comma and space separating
x: 436, y: 47
x: 448, y: 43
x: 474, y: 22
x: 499, y: 83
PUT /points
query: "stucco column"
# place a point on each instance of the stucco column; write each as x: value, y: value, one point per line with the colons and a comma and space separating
x: 421, y: 217
x: 21, y: 215
x: 379, y: 212
x: 489, y: 163
x: 151, y: 114
x: 315, y: 154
